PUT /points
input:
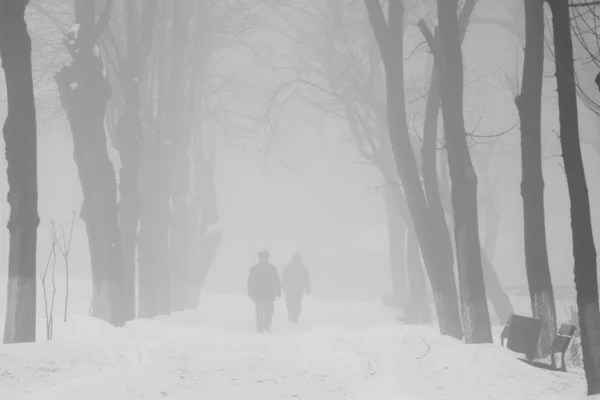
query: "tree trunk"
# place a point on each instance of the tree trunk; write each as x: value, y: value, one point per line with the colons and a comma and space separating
x: 129, y: 131
x: 390, y: 41
x: 529, y: 105
x: 418, y: 311
x: 416, y: 307
x: 397, y: 237
x: 20, y: 137
x: 84, y: 93
x: 584, y: 250
x: 475, y: 315
x: 431, y: 182
x: 429, y: 160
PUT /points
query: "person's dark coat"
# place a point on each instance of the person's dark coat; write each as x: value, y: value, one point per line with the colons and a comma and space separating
x: 264, y: 283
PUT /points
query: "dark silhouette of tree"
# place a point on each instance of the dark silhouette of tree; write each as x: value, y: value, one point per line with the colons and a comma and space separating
x: 158, y: 157
x: 20, y: 137
x: 84, y: 94
x: 584, y: 250
x: 431, y: 230
x: 475, y: 315
x: 129, y: 62
x: 529, y: 106
x: 435, y: 195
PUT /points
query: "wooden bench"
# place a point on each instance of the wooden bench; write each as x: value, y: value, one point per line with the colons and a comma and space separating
x: 521, y: 335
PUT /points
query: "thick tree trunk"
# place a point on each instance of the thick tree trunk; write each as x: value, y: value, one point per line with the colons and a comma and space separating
x: 584, y: 250
x: 529, y: 105
x: 418, y: 311
x: 397, y: 237
x: 475, y: 315
x: 20, y: 137
x: 428, y: 229
x: 84, y: 93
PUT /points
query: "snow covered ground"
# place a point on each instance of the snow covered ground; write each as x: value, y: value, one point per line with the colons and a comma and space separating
x: 349, y: 350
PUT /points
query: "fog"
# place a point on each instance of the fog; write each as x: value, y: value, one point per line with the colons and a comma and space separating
x: 304, y: 188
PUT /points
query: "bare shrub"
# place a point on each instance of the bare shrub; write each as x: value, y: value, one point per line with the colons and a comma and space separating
x: 64, y: 247
x: 50, y: 265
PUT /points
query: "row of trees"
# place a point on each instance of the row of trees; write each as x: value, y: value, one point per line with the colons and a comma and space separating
x: 351, y: 56
x: 137, y: 78
x: 424, y: 206
x: 163, y: 207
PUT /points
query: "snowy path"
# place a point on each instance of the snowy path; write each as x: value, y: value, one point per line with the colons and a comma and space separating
x: 338, y: 351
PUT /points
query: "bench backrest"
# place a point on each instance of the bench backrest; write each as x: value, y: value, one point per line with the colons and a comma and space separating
x: 563, y: 338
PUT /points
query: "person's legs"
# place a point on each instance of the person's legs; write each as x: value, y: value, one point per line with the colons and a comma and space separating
x: 269, y: 310
x: 299, y: 305
x: 294, y: 299
x: 259, y: 316
x: 289, y: 303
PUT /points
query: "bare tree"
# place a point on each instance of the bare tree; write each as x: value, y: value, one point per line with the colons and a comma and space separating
x: 431, y: 230
x: 84, y: 94
x: 529, y: 106
x: 20, y: 137
x: 156, y: 168
x: 584, y: 250
x: 50, y: 293
x: 342, y: 74
x: 178, y: 239
x: 437, y: 197
x: 129, y: 64
x: 475, y: 315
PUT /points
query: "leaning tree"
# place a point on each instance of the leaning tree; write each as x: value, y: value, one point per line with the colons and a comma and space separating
x: 431, y: 229
x: 584, y: 249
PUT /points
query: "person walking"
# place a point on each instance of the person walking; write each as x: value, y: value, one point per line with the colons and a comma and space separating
x: 296, y: 283
x: 264, y: 287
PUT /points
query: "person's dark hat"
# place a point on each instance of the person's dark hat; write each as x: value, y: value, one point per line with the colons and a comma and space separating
x: 264, y: 254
